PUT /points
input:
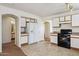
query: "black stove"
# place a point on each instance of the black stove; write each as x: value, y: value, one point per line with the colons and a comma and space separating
x: 64, y: 38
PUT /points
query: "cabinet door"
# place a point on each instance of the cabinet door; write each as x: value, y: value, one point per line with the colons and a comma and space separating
x: 62, y: 19
x: 24, y: 39
x: 23, y: 22
x: 75, y: 20
x: 68, y: 18
x: 75, y: 42
x: 55, y: 22
x: 53, y: 39
x: 32, y: 33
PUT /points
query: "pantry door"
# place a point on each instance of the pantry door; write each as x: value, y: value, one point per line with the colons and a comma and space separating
x: 32, y: 30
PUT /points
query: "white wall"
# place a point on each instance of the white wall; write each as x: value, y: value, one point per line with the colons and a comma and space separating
x: 67, y: 26
x: 0, y: 34
x: 19, y: 13
x: 6, y: 30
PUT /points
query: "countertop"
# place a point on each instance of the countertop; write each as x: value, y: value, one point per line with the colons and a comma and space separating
x: 24, y: 34
x: 73, y: 35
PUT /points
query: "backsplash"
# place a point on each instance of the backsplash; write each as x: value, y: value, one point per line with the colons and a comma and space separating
x: 67, y: 26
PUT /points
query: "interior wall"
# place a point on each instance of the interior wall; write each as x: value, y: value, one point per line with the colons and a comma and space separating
x: 13, y: 27
x: 67, y: 26
x: 0, y: 34
x: 6, y: 30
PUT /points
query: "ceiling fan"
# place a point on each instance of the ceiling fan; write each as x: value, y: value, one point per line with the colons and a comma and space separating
x: 68, y: 6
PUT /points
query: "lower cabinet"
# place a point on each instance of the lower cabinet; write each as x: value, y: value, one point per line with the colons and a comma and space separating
x: 75, y: 42
x: 53, y: 39
x: 24, y: 39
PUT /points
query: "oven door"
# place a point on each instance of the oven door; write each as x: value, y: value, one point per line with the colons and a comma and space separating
x: 64, y: 40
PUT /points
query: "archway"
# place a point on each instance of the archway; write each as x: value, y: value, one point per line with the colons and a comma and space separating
x: 47, y: 31
x: 6, y: 28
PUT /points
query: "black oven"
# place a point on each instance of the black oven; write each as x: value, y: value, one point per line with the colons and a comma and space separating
x: 64, y: 38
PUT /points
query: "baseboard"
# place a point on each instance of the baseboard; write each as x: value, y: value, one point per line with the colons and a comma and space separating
x: 24, y: 44
x: 54, y: 44
x: 6, y: 43
x: 74, y: 48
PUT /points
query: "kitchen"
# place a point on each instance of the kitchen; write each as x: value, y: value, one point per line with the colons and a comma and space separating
x: 68, y: 22
x: 61, y: 28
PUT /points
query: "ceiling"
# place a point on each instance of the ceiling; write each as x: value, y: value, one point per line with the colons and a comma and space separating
x: 41, y: 9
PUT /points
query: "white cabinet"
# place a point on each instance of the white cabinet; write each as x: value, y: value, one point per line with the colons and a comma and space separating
x: 23, y: 22
x: 75, y: 42
x: 75, y: 20
x: 53, y: 39
x: 68, y: 18
x: 24, y: 39
x: 65, y: 20
x: 55, y: 22
x: 62, y: 19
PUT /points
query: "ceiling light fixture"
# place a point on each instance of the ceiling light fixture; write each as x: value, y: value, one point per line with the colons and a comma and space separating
x: 69, y: 6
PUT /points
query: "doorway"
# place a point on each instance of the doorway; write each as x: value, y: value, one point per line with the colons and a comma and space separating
x: 47, y: 31
x: 12, y: 21
x: 10, y: 30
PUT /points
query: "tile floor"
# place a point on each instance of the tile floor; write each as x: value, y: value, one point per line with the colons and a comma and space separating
x: 45, y: 48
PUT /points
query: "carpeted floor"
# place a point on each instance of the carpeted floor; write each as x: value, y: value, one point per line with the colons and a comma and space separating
x: 45, y: 48
x: 10, y: 49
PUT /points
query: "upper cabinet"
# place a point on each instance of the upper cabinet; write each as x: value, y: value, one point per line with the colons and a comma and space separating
x: 23, y: 22
x: 75, y: 20
x: 65, y: 19
x: 55, y: 22
x: 62, y: 19
x: 68, y: 18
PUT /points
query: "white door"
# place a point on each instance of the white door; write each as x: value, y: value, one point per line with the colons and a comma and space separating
x: 31, y: 33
